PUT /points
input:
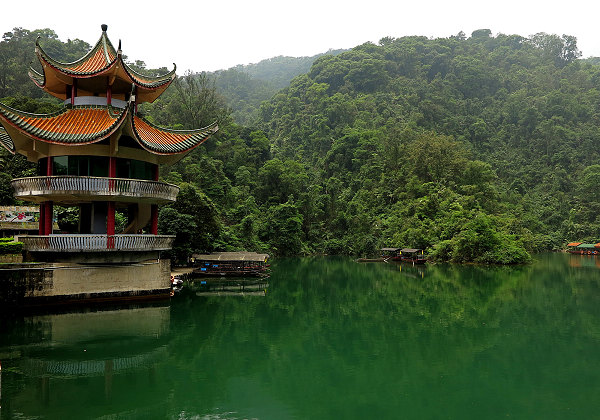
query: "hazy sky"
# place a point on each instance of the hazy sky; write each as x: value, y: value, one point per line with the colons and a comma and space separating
x: 212, y: 35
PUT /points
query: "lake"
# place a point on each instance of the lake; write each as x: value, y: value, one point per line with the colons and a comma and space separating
x: 330, y: 339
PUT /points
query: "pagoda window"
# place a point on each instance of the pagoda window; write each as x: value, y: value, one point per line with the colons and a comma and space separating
x: 83, y: 165
x: 123, y: 168
x: 96, y: 166
x: 134, y: 169
x: 99, y: 166
x: 141, y: 170
x: 41, y: 166
x: 61, y: 165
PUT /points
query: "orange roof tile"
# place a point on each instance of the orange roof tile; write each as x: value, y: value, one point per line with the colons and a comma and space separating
x: 76, y: 125
x: 166, y: 141
x: 86, y: 124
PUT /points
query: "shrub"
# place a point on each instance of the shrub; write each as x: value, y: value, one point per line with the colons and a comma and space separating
x: 11, y: 247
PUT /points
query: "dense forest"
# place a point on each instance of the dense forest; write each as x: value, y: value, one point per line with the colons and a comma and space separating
x: 481, y: 148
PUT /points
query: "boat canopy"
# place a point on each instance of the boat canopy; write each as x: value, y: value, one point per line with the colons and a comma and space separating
x: 587, y: 246
x: 574, y: 244
x: 390, y: 249
x: 410, y: 250
x: 232, y: 256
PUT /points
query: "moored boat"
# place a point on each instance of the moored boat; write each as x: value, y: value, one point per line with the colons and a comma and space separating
x: 412, y: 255
x: 231, y: 264
x: 583, y: 248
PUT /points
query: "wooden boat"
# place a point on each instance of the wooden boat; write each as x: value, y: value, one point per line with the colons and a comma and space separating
x: 583, y: 249
x: 413, y: 256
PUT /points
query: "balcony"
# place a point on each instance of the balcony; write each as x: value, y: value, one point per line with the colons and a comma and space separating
x: 96, y: 243
x: 68, y: 189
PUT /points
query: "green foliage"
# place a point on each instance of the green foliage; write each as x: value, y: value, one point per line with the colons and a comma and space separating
x: 17, y: 54
x: 479, y: 149
x: 283, y: 230
x: 10, y: 247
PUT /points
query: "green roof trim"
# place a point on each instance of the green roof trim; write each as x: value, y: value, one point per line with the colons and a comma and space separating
x: 6, y: 141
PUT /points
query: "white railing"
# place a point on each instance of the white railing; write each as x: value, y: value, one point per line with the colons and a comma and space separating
x: 93, y: 186
x: 94, y: 243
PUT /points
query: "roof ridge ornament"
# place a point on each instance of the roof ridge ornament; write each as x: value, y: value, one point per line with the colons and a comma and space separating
x: 104, y: 27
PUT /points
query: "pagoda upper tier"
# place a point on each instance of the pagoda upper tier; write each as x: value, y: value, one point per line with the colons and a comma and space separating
x: 100, y: 113
x: 100, y: 71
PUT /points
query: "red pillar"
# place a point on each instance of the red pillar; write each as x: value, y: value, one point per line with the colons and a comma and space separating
x: 108, y: 94
x: 112, y: 172
x: 110, y: 225
x: 155, y: 174
x: 73, y: 91
x: 48, y: 215
x: 154, y: 215
x: 47, y: 208
x: 41, y: 220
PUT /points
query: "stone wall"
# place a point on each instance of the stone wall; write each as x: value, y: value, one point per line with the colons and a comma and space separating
x: 11, y: 258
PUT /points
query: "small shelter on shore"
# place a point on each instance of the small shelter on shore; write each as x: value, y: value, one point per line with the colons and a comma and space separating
x: 231, y: 264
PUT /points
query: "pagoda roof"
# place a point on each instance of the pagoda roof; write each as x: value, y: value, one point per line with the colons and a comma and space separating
x: 86, y: 124
x: 101, y: 66
x: 165, y: 141
x: 70, y: 126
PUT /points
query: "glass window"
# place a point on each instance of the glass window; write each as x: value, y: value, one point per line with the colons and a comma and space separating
x: 83, y: 164
x: 123, y: 168
x: 73, y: 165
x: 41, y: 166
x: 139, y: 170
x: 61, y: 165
x: 99, y: 166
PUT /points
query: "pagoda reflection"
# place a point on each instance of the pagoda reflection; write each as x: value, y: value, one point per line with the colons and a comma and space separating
x: 93, y: 360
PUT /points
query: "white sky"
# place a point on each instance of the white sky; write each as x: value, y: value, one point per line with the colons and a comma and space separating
x: 221, y: 34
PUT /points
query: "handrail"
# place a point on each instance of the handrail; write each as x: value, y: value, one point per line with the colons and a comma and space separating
x: 96, y: 243
x: 93, y: 185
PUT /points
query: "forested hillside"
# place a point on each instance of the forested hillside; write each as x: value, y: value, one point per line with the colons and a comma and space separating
x: 477, y: 148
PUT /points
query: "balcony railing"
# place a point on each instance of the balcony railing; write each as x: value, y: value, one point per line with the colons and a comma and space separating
x: 97, y: 243
x: 70, y: 188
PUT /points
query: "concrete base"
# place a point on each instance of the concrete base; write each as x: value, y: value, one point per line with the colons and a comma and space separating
x: 37, y: 284
x: 11, y: 259
x: 109, y: 257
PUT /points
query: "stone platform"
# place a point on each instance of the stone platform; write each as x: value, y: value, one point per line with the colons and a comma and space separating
x: 28, y: 284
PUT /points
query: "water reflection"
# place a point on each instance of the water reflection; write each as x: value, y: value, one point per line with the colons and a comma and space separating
x: 76, y: 364
x: 218, y: 286
x: 330, y: 339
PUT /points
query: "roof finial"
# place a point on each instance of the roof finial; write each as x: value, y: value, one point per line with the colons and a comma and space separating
x: 104, y: 27
x: 119, y: 49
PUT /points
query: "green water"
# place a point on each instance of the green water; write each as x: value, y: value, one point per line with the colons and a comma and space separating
x: 331, y: 339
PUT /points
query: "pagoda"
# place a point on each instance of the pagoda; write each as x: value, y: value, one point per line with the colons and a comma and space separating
x: 99, y: 155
